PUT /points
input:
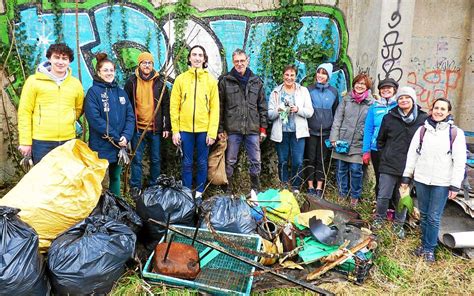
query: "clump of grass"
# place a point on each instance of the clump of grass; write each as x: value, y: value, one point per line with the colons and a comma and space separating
x: 392, y: 270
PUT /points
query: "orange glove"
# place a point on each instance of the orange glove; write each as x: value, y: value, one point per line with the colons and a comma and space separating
x: 366, y: 158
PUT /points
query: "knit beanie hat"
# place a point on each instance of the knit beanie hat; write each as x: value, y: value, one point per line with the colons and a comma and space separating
x: 328, y: 67
x: 388, y: 82
x: 407, y: 91
x: 145, y: 56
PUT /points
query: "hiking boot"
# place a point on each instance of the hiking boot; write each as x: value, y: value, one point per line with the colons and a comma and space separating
x: 319, y: 193
x: 354, y: 202
x: 311, y: 191
x: 296, y: 191
x: 255, y: 183
x: 135, y: 192
x: 429, y: 257
x: 228, y: 188
x: 419, y: 251
x: 377, y: 224
x: 399, y: 231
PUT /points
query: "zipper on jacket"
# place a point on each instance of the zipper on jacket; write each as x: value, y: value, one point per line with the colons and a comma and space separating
x: 39, y: 119
x: 207, y: 104
x: 195, y: 89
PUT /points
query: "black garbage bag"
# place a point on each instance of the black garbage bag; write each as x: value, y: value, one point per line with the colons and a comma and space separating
x: 90, y: 256
x: 118, y: 209
x: 228, y: 214
x: 168, y: 197
x: 22, y: 268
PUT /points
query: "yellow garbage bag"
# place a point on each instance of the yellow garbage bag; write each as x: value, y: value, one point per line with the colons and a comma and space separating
x: 280, y: 206
x: 60, y: 191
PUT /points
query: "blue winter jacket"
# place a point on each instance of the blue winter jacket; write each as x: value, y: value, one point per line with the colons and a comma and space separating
x: 373, y: 121
x: 325, y: 101
x: 108, y: 112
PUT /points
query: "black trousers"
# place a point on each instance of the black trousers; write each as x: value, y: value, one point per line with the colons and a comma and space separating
x: 316, y: 158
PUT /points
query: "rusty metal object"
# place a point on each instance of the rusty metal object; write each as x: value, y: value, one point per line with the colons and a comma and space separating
x: 176, y: 260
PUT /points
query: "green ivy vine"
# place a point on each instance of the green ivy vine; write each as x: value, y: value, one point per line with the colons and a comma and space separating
x: 57, y: 20
x: 182, y: 13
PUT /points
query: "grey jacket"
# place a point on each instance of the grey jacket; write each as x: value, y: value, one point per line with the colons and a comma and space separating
x: 242, y: 111
x: 305, y: 110
x: 349, y: 123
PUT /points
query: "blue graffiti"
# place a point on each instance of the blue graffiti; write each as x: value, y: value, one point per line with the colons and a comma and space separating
x: 228, y: 32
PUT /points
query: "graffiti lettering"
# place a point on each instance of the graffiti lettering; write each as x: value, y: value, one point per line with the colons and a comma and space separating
x: 391, y: 53
x: 444, y: 64
x: 434, y: 84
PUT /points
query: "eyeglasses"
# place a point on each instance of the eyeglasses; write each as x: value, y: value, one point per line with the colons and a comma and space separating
x: 239, y: 61
x: 146, y: 63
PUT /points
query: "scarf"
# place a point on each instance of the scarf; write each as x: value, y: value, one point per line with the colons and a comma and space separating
x: 433, y: 123
x: 358, y: 98
x: 243, y: 79
x: 411, y: 116
x: 144, y: 105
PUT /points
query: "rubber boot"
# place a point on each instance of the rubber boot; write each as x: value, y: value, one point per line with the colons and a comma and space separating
x: 229, y: 187
x: 255, y: 183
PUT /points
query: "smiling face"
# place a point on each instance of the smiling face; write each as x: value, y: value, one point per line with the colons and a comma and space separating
x: 59, y: 64
x: 440, y: 110
x: 146, y: 67
x: 240, y: 62
x: 322, y: 76
x: 387, y: 92
x: 405, y: 103
x: 289, y: 78
x: 360, y: 86
x: 107, y: 72
x: 196, y: 57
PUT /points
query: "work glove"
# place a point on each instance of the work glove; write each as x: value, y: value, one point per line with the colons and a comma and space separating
x: 263, y: 134
x: 366, y: 158
x: 26, y: 163
x: 123, y: 158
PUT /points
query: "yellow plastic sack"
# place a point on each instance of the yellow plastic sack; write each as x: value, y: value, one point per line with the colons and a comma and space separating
x: 58, y: 192
x: 283, y: 207
x: 326, y: 217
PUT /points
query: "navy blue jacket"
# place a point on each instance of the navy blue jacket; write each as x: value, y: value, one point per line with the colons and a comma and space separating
x: 115, y: 120
x: 325, y: 101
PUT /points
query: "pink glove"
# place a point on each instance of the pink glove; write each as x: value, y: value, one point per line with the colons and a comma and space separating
x: 366, y: 158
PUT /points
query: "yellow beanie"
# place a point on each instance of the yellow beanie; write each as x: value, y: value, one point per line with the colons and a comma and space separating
x: 145, y: 56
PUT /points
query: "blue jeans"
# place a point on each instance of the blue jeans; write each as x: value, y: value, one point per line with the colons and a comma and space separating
x: 189, y: 142
x: 431, y: 202
x: 252, y: 146
x: 344, y: 170
x: 40, y: 148
x: 153, y: 141
x: 290, y: 145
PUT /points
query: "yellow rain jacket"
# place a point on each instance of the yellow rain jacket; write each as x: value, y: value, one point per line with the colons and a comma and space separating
x: 194, y: 103
x: 48, y: 111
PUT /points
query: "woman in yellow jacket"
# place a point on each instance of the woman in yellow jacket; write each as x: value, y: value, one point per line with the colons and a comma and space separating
x: 194, y: 112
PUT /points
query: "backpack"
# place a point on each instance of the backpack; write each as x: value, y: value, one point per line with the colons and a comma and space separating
x: 453, y: 132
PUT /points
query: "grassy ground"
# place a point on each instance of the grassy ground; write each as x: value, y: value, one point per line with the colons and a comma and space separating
x: 396, y: 271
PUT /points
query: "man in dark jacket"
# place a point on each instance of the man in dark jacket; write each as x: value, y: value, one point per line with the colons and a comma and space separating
x: 243, y: 116
x: 396, y: 132
x: 144, y: 89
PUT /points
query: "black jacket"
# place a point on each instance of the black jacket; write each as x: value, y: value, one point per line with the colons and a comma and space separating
x: 162, y: 120
x: 394, y: 139
x: 242, y: 111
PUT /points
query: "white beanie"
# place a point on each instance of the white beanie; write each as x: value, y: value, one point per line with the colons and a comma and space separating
x: 407, y: 91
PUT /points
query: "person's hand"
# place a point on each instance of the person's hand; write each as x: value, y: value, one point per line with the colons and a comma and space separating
x: 294, y: 109
x: 263, y: 134
x: 166, y: 134
x: 404, y: 185
x: 333, y: 143
x: 221, y: 136
x: 122, y: 142
x: 209, y: 141
x: 452, y: 194
x: 25, y: 150
x: 366, y: 158
x: 176, y: 139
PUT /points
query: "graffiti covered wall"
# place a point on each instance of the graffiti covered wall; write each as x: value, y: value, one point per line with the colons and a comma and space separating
x: 124, y: 30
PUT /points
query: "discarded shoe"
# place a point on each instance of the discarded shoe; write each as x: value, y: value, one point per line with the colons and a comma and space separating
x: 399, y: 231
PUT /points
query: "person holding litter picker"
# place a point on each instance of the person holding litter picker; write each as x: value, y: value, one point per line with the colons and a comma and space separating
x: 110, y: 117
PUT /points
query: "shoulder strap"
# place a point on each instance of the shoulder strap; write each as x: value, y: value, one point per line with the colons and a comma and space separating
x: 422, y: 134
x: 453, y: 132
